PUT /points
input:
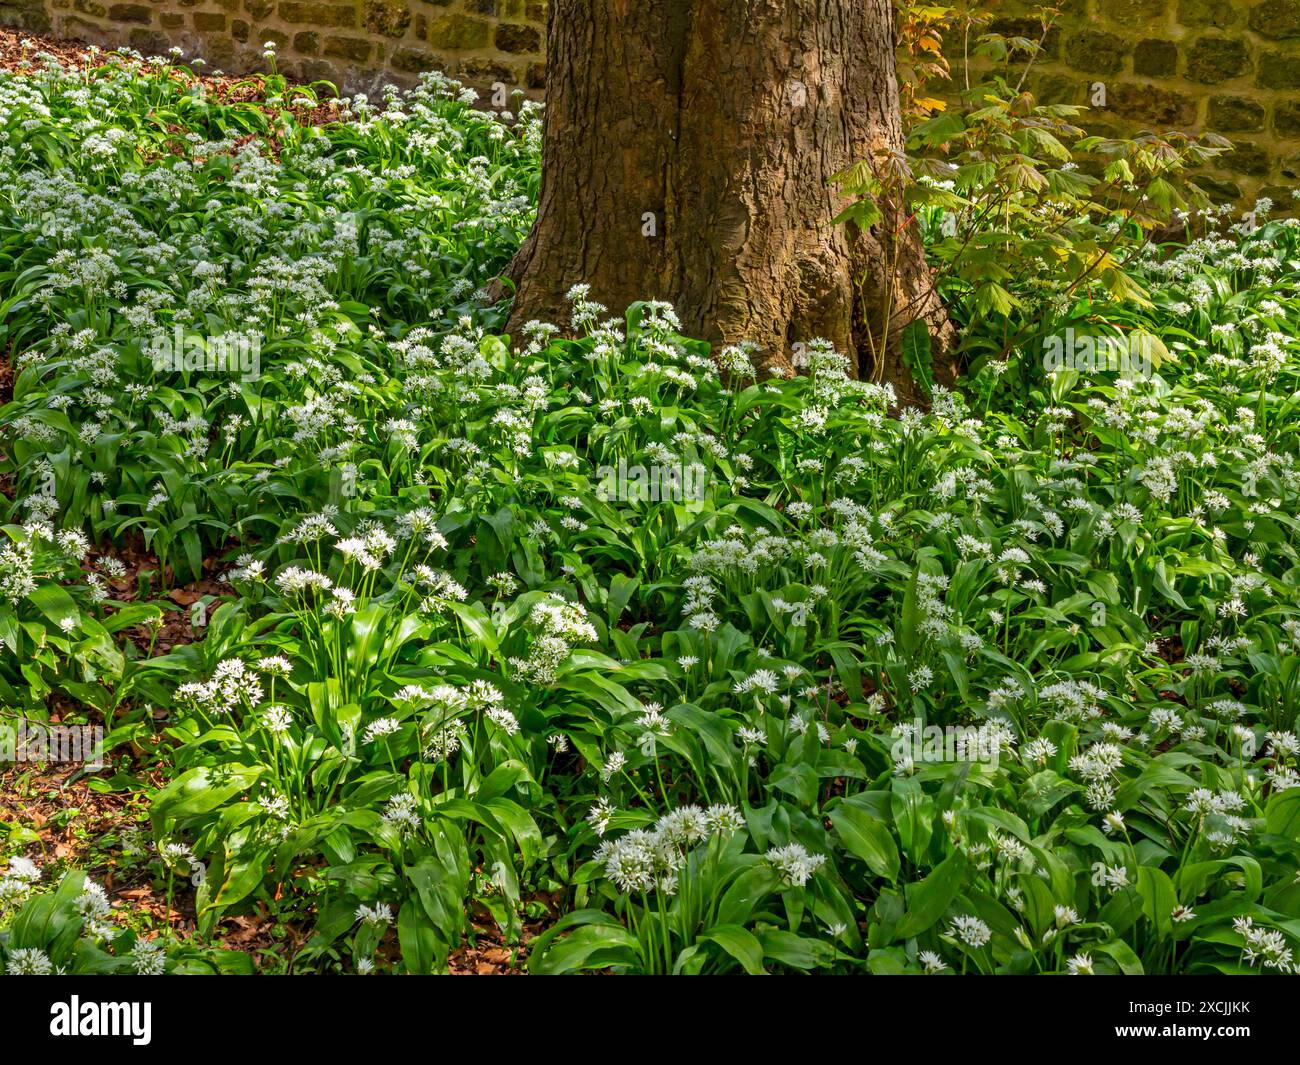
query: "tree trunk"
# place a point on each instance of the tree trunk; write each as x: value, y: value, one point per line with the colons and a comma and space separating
x: 689, y: 147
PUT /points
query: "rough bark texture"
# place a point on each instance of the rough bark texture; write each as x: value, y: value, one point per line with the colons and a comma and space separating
x: 724, y: 120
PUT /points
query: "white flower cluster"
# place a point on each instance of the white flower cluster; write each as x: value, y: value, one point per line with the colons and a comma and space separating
x: 646, y: 860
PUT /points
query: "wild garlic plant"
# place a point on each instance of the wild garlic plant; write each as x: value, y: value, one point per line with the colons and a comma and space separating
x: 69, y: 929
x: 709, y: 670
x: 265, y: 259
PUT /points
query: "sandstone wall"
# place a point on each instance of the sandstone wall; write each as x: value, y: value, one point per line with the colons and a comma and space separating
x: 358, y: 44
x: 1231, y: 66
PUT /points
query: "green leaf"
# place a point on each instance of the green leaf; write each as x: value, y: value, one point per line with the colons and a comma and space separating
x: 419, y: 943
x: 741, y: 944
x: 202, y: 789
x: 746, y: 893
x: 55, y: 603
x: 867, y: 838
x: 1123, y: 955
x: 915, y: 349
x: 1158, y: 898
x: 928, y: 900
x: 1282, y: 815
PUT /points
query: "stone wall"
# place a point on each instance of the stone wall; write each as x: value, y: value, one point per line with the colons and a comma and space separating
x: 358, y: 44
x: 1231, y: 66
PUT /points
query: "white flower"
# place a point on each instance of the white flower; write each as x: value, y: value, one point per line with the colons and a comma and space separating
x: 970, y: 930
x: 19, y: 878
x: 277, y: 719
x: 613, y: 764
x: 148, y: 958
x: 503, y: 719
x: 276, y: 666
x: 1080, y: 965
x: 379, y: 728
x: 600, y: 815
x: 794, y: 863
x: 1065, y: 916
x: 379, y: 913
x: 29, y: 961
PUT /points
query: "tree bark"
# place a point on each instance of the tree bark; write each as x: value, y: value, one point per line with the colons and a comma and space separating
x: 688, y: 151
